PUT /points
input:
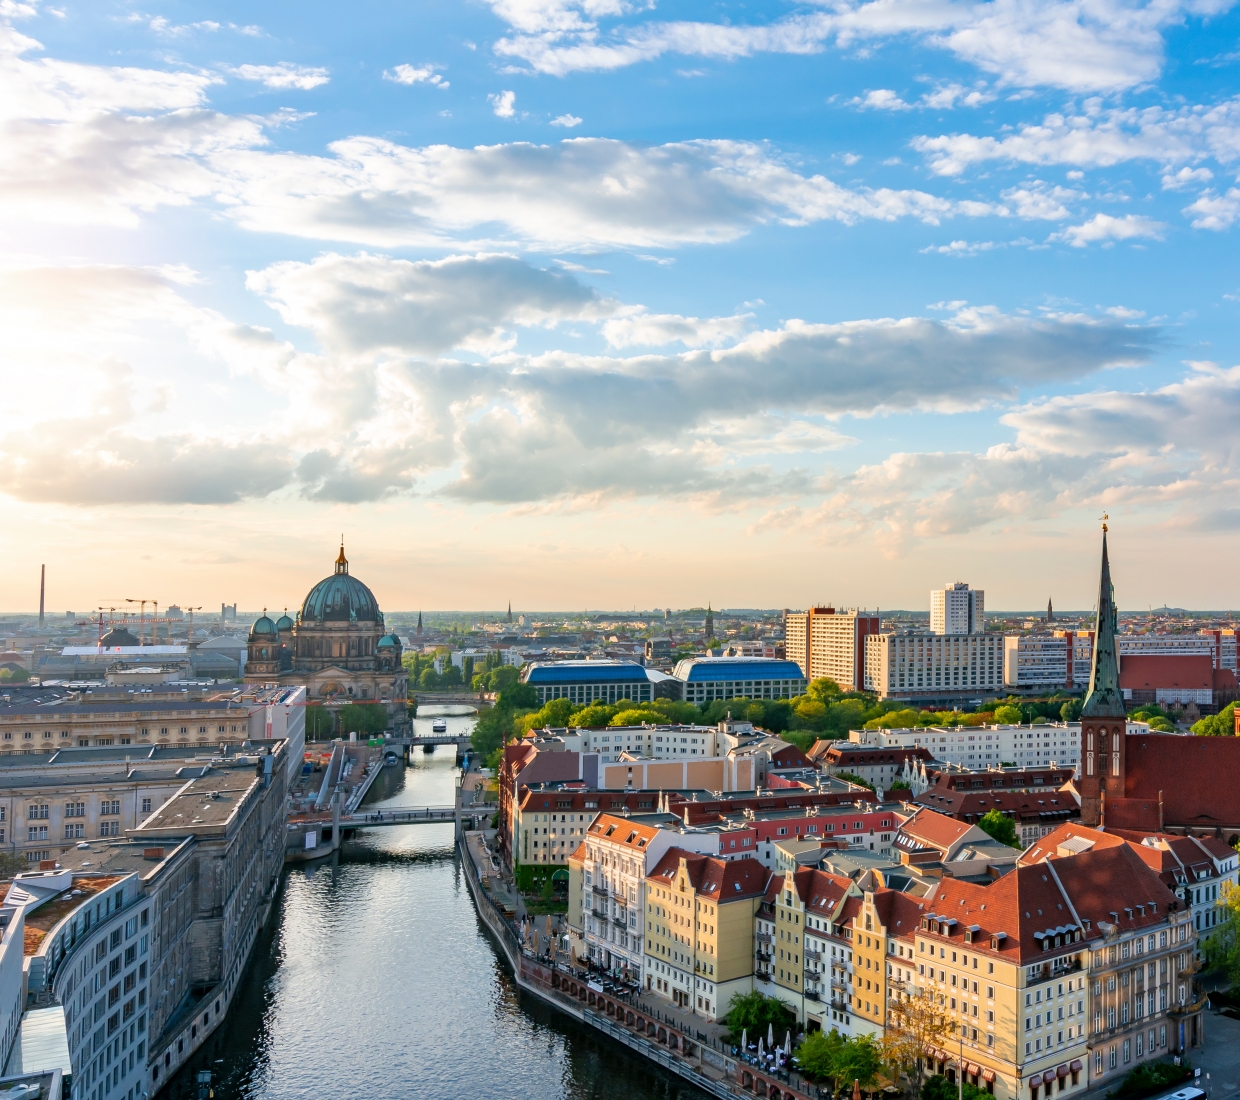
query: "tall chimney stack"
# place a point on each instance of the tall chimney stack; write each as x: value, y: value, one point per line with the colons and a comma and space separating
x: 42, y: 584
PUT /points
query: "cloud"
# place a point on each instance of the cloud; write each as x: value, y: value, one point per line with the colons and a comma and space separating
x: 881, y: 99
x: 367, y: 304
x: 421, y: 74
x: 502, y: 102
x: 1103, y: 227
x: 944, y: 97
x: 1040, y: 200
x: 964, y: 248
x: 1082, y: 45
x: 1185, y: 177
x: 1214, y: 211
x: 283, y: 76
x: 1099, y: 138
x: 567, y: 121
x: 656, y: 330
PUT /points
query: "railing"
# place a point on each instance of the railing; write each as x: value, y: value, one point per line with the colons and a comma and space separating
x: 812, y: 956
x: 764, y: 956
x: 600, y: 890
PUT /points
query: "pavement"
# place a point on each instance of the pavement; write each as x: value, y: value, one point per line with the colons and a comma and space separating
x: 1219, y: 1057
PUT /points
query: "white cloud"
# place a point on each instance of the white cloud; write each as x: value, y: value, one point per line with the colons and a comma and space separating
x: 964, y: 248
x: 1099, y: 138
x: 656, y: 330
x: 881, y: 99
x: 1214, y: 211
x: 502, y: 103
x: 283, y: 76
x: 1040, y: 200
x: 1103, y: 227
x: 1083, y: 45
x: 944, y: 97
x: 419, y: 74
x: 367, y: 304
x: 567, y: 121
x: 1185, y: 177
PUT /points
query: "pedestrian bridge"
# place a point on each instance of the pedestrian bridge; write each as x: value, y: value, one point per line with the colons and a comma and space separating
x: 416, y: 815
x: 475, y: 699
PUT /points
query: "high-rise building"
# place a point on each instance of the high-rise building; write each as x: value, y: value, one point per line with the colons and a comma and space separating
x: 830, y: 643
x: 957, y: 609
x: 934, y: 667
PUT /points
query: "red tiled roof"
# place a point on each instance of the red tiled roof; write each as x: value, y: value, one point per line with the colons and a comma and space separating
x: 964, y: 804
x: 1195, y: 777
x: 720, y: 880
x: 935, y: 829
x: 1225, y: 680
x: 1146, y: 671
x: 868, y: 758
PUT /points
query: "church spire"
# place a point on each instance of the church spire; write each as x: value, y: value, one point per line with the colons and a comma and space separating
x: 1104, y: 699
x: 1050, y: 612
x: 342, y: 563
x: 510, y: 610
x: 419, y: 624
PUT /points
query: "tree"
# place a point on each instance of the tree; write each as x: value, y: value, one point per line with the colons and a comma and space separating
x: 363, y: 718
x: 895, y: 720
x: 755, y: 1013
x: 860, y: 1060
x: 1071, y: 710
x: 467, y: 670
x: 853, y: 778
x: 823, y: 690
x: 817, y: 1055
x: 429, y: 680
x: 320, y: 722
x: 1222, y: 724
x: 914, y: 1025
x: 939, y: 1087
x: 1009, y: 716
x: 1222, y: 947
x: 451, y: 677
x: 1000, y: 827
x: 12, y: 865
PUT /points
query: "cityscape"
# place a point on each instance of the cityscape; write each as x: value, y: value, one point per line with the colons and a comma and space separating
x: 619, y: 550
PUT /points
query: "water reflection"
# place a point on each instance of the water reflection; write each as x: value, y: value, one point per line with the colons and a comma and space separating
x: 376, y: 980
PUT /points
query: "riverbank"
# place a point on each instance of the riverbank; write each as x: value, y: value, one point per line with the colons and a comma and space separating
x: 649, y: 1033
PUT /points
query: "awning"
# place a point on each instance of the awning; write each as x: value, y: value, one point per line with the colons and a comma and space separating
x: 974, y: 1068
x: 988, y: 1075
x: 1076, y: 1066
x: 1061, y: 1071
x: 1048, y: 1076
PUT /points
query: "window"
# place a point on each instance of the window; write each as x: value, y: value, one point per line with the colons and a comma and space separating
x: 146, y: 805
x: 109, y: 828
x: 36, y: 832
x: 75, y: 809
x: 75, y: 832
x: 110, y: 806
x: 36, y: 812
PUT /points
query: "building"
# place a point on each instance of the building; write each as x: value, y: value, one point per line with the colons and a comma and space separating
x: 934, y: 667
x: 146, y: 966
x: 1033, y: 801
x: 1152, y: 781
x: 94, y: 662
x: 337, y: 646
x: 699, y: 915
x: 1168, y: 681
x: 880, y: 767
x: 621, y: 851
x: 706, y: 679
x: 587, y: 682
x: 977, y: 748
x: 957, y: 609
x: 829, y: 643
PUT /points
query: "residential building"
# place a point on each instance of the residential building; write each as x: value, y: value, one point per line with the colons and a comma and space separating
x: 589, y: 681
x: 700, y: 928
x: 957, y: 609
x: 1168, y: 680
x: 706, y: 679
x: 1032, y: 800
x: 934, y: 667
x: 980, y: 747
x: 880, y: 767
x: 830, y: 643
x: 621, y: 851
x: 146, y: 966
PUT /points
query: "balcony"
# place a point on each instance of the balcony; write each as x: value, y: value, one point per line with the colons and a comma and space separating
x: 1193, y: 967
x: 1196, y: 1004
x: 763, y: 956
x: 600, y: 914
x: 601, y: 891
x: 620, y: 920
x: 812, y: 956
x: 811, y: 995
x: 764, y: 937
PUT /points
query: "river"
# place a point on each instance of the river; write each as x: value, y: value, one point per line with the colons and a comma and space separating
x: 375, y: 981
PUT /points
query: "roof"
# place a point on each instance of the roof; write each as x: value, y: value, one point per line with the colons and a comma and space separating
x: 1159, y: 767
x: 625, y: 831
x: 850, y: 754
x: 339, y: 598
x: 1046, y: 804
x: 1191, y: 671
x: 718, y: 879
x: 42, y: 1043
x: 934, y: 829
x: 1104, y: 699
x: 712, y: 669
x: 584, y: 672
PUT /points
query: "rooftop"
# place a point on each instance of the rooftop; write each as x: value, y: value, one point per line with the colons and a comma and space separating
x: 208, y: 801
x: 711, y: 669
x: 584, y: 672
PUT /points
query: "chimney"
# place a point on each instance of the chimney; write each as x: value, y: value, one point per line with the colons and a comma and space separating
x: 42, y: 583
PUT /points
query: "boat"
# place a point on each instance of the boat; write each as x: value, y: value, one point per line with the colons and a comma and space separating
x: 440, y: 725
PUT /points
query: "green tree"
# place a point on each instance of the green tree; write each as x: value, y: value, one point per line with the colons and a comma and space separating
x: 939, y: 1087
x: 1221, y: 949
x: 755, y: 1013
x: 467, y: 670
x: 894, y: 720
x: 451, y: 677
x: 1222, y: 724
x: 818, y: 1055
x: 915, y: 1024
x: 1009, y: 715
x: 12, y: 865
x: 597, y: 714
x: 1001, y: 828
x: 320, y: 722
x: 429, y: 680
x: 634, y: 716
x: 853, y: 778
x: 1071, y: 710
x: 362, y: 718
x: 860, y: 1060
x: 823, y: 690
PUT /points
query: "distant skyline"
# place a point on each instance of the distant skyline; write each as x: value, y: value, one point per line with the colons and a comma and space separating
x: 589, y: 301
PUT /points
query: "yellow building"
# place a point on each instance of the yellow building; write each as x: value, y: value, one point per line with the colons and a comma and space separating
x: 700, y: 929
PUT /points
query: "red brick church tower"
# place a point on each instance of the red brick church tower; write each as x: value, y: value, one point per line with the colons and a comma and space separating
x: 1103, y: 717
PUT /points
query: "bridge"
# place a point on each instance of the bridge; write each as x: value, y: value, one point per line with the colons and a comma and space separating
x: 475, y: 699
x: 417, y: 815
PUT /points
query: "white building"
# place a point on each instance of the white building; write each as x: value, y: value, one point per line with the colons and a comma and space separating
x: 619, y: 853
x: 934, y: 666
x: 980, y: 747
x: 957, y: 609
x: 829, y: 643
x: 1062, y: 659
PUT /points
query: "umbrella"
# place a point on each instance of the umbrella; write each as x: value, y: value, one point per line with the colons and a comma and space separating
x: 787, y: 1042
x: 770, y: 1035
x: 744, y: 1038
x: 761, y: 1048
x: 856, y: 1089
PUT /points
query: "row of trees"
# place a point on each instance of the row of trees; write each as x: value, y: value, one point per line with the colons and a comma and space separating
x: 914, y: 1025
x: 323, y: 724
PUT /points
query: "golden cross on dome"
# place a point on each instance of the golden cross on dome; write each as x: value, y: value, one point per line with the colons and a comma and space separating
x: 1105, y: 517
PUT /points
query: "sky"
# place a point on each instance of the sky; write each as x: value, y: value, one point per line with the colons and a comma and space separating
x: 612, y: 304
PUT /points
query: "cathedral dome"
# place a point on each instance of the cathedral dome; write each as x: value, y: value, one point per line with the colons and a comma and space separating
x: 386, y: 642
x: 262, y: 625
x: 340, y: 598
x: 118, y: 635
x: 284, y: 623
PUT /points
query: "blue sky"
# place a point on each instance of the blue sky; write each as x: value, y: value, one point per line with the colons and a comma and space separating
x: 592, y: 302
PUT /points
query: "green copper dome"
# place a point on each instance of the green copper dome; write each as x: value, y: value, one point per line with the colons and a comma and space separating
x: 340, y: 598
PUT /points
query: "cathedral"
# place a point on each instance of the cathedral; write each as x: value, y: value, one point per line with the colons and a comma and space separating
x: 337, y: 646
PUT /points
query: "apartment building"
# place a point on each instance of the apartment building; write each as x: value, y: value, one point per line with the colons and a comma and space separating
x: 1062, y: 658
x: 980, y: 747
x: 699, y: 929
x: 829, y: 642
x: 934, y: 667
x: 879, y: 767
x: 620, y: 853
x: 957, y: 609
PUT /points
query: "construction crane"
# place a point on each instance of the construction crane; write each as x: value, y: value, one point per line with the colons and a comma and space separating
x: 191, y: 611
x: 101, y: 610
x: 142, y: 619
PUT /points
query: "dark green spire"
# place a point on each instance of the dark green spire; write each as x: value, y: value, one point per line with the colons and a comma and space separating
x: 1105, y: 700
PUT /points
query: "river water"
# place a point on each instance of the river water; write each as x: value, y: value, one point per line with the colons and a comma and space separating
x: 375, y: 981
